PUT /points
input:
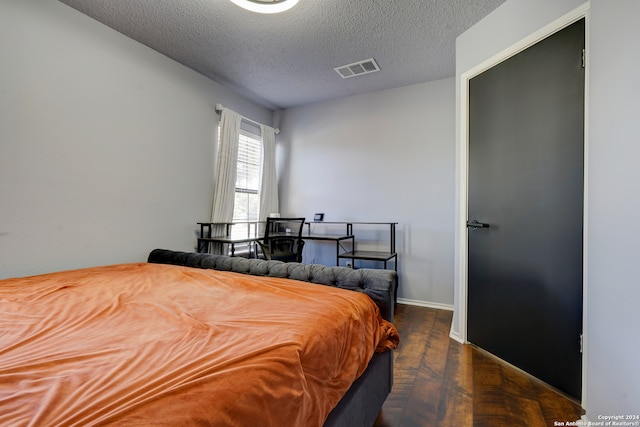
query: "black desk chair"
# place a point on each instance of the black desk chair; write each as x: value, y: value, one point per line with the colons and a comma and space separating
x: 282, y: 239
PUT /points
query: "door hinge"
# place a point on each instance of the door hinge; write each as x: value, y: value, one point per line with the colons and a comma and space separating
x: 584, y: 53
x: 581, y: 343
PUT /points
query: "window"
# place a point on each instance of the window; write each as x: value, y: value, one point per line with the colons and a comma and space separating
x: 247, y: 196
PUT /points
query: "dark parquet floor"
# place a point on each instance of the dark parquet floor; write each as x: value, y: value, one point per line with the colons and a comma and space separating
x: 440, y: 382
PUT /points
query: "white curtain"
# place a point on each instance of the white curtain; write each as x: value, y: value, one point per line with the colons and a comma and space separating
x: 226, y: 172
x: 268, y: 182
x: 227, y: 165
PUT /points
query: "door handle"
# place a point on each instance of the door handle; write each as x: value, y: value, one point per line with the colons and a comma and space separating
x: 475, y: 224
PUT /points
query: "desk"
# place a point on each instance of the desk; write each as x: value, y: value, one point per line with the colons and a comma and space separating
x: 205, y: 239
x: 330, y: 238
x: 353, y: 254
x: 372, y: 256
x: 204, y: 243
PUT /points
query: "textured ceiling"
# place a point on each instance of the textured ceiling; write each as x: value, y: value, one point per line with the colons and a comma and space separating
x: 286, y: 60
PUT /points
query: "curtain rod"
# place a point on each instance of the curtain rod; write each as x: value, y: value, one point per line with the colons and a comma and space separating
x: 220, y: 107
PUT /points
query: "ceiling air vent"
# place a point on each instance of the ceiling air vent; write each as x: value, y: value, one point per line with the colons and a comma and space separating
x: 357, y: 68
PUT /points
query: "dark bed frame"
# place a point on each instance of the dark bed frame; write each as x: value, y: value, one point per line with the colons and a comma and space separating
x: 362, y: 402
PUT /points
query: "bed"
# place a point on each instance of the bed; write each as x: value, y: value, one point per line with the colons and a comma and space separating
x: 197, y: 339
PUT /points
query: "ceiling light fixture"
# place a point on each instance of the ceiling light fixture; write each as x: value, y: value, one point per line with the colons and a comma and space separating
x: 266, y: 6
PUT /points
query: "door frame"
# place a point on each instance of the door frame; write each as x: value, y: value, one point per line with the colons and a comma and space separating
x: 461, y: 244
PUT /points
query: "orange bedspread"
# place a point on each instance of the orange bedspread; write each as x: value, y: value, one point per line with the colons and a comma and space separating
x: 151, y: 344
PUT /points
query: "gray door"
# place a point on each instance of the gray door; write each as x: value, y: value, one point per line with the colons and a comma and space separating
x: 526, y: 180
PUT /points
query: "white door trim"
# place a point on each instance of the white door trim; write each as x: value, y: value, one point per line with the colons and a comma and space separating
x: 463, y: 169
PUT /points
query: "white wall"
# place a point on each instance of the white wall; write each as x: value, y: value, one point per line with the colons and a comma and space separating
x: 382, y: 156
x: 612, y: 381
x: 106, y: 147
x: 613, y: 372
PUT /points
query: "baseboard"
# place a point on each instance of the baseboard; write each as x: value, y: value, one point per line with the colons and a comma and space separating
x: 436, y: 305
x: 456, y: 337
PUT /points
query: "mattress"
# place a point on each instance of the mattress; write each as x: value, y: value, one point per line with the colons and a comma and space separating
x: 152, y: 344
